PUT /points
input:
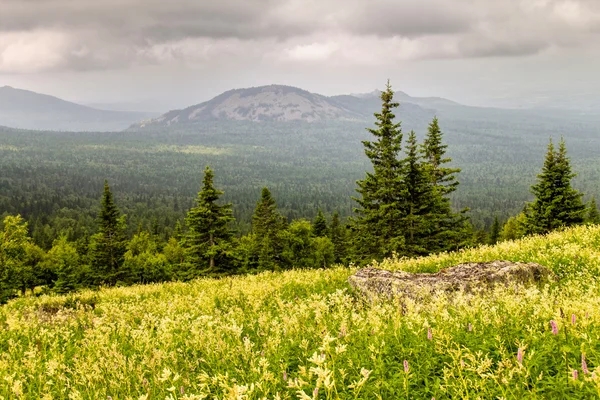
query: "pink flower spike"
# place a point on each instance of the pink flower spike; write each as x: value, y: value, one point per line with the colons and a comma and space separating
x: 573, y: 319
x: 584, y: 367
x: 429, y: 334
x: 284, y: 376
x: 316, y: 392
x: 405, y: 367
x: 520, y: 355
x: 470, y: 327
x: 575, y: 374
x: 554, y: 327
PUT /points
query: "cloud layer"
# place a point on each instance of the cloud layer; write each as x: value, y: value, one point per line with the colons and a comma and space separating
x: 43, y: 35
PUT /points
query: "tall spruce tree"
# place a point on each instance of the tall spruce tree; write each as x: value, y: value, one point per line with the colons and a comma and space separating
x: 108, y: 246
x: 495, y: 231
x: 209, y: 240
x: 448, y: 230
x: 421, y: 202
x: 556, y: 203
x: 267, y: 223
x: 337, y: 234
x: 319, y: 226
x: 593, y: 216
x: 377, y: 227
x: 434, y: 151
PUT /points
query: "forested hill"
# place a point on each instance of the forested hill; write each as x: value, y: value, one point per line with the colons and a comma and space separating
x: 29, y: 110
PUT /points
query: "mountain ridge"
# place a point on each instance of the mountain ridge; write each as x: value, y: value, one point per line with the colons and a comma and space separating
x: 25, y: 109
x: 285, y: 103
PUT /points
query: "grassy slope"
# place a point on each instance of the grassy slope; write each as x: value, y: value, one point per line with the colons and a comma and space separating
x: 281, y: 335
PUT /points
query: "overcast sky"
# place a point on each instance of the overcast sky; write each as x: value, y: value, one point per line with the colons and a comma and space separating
x: 173, y: 53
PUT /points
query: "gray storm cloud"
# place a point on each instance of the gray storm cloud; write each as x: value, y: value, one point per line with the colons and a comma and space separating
x: 38, y: 35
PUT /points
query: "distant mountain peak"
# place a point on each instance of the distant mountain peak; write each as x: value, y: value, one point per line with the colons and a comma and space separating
x: 262, y: 103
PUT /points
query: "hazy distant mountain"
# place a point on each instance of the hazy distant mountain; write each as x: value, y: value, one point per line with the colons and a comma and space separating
x: 30, y: 110
x: 280, y: 103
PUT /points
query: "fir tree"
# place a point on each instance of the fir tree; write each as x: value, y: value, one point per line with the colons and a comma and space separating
x: 593, y: 216
x: 320, y: 225
x: 556, y: 203
x: 209, y: 240
x: 421, y: 201
x: 443, y: 178
x: 267, y: 223
x: 178, y: 232
x: 338, y: 238
x: 109, y: 245
x: 449, y: 230
x: 495, y: 231
x: 377, y: 229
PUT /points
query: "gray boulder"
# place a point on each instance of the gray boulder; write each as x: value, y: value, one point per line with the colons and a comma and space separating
x: 470, y: 277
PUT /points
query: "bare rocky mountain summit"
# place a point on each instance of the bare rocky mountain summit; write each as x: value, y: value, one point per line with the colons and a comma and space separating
x: 281, y: 104
x: 470, y: 277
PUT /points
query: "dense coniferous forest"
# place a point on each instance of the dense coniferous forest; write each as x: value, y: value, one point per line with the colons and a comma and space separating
x: 89, y: 209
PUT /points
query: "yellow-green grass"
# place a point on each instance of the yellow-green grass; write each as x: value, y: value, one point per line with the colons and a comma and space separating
x: 304, y: 334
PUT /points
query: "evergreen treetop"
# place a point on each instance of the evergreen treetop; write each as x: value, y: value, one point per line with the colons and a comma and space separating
x: 208, y: 242
x: 319, y: 226
x: 444, y: 178
x: 109, y: 245
x: 377, y: 226
x: 556, y: 203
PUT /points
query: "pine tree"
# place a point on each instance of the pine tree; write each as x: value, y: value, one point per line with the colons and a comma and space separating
x: 108, y: 246
x: 556, y: 203
x: 209, y: 240
x: 377, y: 229
x: 593, y: 216
x: 320, y: 225
x: 337, y: 234
x: 495, y: 231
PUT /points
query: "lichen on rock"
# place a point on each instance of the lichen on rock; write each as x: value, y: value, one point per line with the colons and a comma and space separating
x: 469, y: 277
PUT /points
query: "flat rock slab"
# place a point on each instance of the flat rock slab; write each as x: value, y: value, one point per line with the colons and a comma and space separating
x: 468, y: 277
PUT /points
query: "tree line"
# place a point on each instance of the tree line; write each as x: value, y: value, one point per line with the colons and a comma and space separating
x: 403, y: 207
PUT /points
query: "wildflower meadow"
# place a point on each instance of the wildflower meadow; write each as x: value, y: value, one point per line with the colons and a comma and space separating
x: 304, y: 334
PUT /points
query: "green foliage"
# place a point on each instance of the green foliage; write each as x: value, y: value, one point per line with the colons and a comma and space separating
x: 405, y: 208
x: 495, y: 231
x: 377, y: 225
x: 144, y: 261
x: 14, y: 245
x: 434, y: 151
x: 262, y: 251
x: 593, y: 216
x: 65, y: 263
x: 422, y: 218
x: 320, y: 228
x: 209, y: 239
x: 514, y: 228
x: 107, y: 247
x: 339, y: 239
x: 556, y: 203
